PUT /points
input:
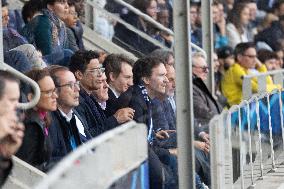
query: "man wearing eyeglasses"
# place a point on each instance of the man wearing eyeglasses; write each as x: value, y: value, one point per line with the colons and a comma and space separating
x: 87, y: 69
x: 70, y: 129
x: 246, y: 63
x: 203, y: 101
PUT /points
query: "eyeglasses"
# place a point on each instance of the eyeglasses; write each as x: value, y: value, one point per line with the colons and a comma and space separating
x: 204, y: 68
x: 49, y: 93
x: 97, y: 71
x: 71, y: 85
x: 250, y: 56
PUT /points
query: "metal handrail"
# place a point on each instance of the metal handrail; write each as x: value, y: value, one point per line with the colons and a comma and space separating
x: 147, y: 18
x: 264, y: 73
x: 18, y: 74
x: 28, y: 80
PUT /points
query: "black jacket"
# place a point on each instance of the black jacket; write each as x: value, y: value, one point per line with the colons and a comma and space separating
x: 36, y: 147
x: 60, y: 138
x: 96, y: 120
x: 204, y: 105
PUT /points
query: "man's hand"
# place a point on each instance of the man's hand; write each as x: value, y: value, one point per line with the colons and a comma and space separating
x: 202, y: 146
x: 123, y: 115
x: 11, y: 143
x: 162, y: 134
x: 173, y: 151
x: 205, y: 137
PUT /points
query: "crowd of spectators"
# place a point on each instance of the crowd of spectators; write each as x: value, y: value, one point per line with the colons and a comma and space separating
x: 85, y: 93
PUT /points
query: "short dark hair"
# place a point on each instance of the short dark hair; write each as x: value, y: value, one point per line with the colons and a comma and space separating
x: 264, y: 55
x: 113, y: 64
x: 242, y: 47
x: 4, y: 77
x: 30, y: 8
x: 80, y: 60
x: 53, y: 70
x: 143, y: 68
x: 51, y: 2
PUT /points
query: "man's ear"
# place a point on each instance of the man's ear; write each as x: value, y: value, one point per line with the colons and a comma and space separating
x: 111, y: 76
x: 239, y: 56
x: 78, y: 75
x: 146, y: 80
x: 30, y: 96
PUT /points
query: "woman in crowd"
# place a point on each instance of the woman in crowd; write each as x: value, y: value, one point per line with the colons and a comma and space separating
x: 48, y: 32
x: 36, y: 147
x: 238, y: 20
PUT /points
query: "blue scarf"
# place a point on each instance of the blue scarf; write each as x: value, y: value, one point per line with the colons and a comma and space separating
x: 149, y: 123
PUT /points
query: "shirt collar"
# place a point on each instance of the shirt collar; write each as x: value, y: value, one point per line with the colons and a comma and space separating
x: 68, y: 116
x: 116, y: 94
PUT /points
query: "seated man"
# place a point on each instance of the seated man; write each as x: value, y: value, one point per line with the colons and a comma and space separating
x: 87, y: 70
x: 150, y: 82
x: 203, y: 101
x: 119, y: 77
x: 11, y: 131
x: 101, y: 94
x: 246, y: 63
x: 69, y: 129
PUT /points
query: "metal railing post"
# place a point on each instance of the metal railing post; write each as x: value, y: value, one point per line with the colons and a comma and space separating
x: 259, y: 139
x: 270, y: 134
x: 246, y: 87
x: 241, y: 150
x: 186, y: 158
x: 207, y: 41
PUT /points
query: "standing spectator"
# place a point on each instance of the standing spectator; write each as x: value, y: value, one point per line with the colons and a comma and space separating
x: 36, y: 147
x: 236, y: 29
x: 11, y: 131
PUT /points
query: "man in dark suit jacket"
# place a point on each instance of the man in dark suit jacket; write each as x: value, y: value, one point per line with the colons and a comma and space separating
x: 87, y: 70
x: 119, y: 75
x: 70, y: 129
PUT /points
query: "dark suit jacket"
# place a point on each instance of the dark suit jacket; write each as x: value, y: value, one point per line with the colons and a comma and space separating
x: 96, y: 121
x: 110, y: 104
x: 133, y: 98
x: 204, y: 105
x: 60, y: 141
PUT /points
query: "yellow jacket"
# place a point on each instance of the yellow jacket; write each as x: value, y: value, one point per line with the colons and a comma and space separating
x: 231, y: 84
